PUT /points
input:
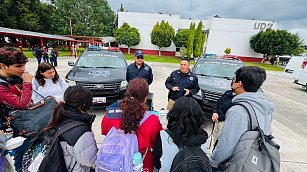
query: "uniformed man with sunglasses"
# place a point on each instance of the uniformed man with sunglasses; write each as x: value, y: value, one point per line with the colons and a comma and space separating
x: 139, y: 68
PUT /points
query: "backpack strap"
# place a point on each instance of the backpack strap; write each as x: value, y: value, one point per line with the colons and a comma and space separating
x: 37, y: 85
x: 68, y: 127
x: 4, y: 109
x: 251, y: 113
x: 146, y: 116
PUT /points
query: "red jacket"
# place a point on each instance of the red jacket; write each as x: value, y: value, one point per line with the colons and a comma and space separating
x: 16, y: 98
x: 147, y: 134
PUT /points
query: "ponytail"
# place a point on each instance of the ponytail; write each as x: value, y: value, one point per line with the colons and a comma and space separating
x: 58, y: 114
x: 133, y: 105
x: 132, y: 113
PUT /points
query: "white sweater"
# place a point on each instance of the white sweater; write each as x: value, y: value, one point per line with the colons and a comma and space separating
x: 49, y: 89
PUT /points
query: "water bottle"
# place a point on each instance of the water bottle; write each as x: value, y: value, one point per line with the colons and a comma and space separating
x: 137, y: 162
x: 163, y: 117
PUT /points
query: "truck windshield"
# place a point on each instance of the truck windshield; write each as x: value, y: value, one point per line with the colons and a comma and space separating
x: 217, y: 69
x: 102, y: 61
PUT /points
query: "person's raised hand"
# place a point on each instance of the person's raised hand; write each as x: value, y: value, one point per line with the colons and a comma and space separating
x: 27, y: 77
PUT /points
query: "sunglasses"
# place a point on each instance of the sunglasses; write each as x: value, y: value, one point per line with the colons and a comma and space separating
x: 140, y: 57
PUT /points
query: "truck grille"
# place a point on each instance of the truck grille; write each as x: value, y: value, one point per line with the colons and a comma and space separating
x: 211, y: 96
x: 101, y: 86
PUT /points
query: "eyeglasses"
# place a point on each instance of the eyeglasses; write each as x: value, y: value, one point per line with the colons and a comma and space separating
x: 140, y: 57
x: 233, y: 79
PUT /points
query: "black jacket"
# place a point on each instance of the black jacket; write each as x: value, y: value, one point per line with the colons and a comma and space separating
x: 183, y: 81
x: 144, y: 72
x: 72, y: 136
x: 223, y: 104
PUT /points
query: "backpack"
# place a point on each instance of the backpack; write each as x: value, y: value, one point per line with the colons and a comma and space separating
x: 116, y: 152
x: 45, y: 153
x: 190, y: 158
x: 255, y: 152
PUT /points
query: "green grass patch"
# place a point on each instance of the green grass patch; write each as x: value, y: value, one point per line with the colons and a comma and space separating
x: 155, y: 58
x: 62, y: 53
x: 265, y: 66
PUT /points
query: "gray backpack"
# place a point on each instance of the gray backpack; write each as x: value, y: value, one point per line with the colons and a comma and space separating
x: 255, y: 151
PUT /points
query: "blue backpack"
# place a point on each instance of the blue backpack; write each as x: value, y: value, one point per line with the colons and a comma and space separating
x: 116, y: 152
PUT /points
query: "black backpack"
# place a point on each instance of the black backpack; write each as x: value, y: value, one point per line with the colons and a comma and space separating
x: 190, y: 159
x: 48, y: 145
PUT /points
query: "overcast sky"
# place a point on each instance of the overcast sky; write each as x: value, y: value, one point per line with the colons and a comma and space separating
x: 289, y: 14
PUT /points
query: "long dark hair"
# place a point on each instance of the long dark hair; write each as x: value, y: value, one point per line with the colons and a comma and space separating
x: 76, y: 97
x: 185, y: 119
x: 133, y: 105
x: 43, y: 67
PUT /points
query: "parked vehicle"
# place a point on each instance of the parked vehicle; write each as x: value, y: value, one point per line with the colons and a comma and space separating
x: 214, y: 78
x: 103, y: 72
x: 302, y: 79
x: 295, y: 66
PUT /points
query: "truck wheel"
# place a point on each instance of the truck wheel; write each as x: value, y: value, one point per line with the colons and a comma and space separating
x: 306, y: 86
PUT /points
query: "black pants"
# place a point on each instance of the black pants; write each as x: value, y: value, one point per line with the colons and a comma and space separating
x: 46, y: 58
x: 55, y: 61
x: 52, y: 60
x: 39, y: 59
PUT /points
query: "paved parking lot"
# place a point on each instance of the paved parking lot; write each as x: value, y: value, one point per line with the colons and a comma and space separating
x: 290, y: 117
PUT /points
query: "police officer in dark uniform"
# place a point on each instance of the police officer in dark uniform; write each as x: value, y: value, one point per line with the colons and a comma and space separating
x: 139, y: 68
x: 180, y: 83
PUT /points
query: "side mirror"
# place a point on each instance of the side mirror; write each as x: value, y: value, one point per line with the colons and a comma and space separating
x: 71, y: 63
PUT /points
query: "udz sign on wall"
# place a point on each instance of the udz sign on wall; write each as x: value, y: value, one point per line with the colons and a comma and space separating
x: 262, y: 26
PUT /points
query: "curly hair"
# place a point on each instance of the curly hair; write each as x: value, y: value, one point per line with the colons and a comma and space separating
x: 133, y: 105
x: 10, y: 56
x: 185, y: 119
x: 43, y: 67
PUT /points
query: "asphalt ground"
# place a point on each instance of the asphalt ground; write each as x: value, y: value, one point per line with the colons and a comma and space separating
x: 290, y: 116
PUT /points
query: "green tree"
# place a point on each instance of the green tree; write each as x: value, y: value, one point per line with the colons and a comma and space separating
x: 162, y: 35
x: 89, y: 18
x: 198, y: 40
x: 297, y: 45
x: 279, y: 42
x: 20, y: 14
x: 7, y: 17
x: 183, y: 52
x: 46, y: 21
x: 227, y: 51
x: 26, y: 15
x: 121, y: 9
x: 204, y: 36
x: 190, y: 40
x: 262, y: 42
x: 181, y: 38
x: 127, y: 35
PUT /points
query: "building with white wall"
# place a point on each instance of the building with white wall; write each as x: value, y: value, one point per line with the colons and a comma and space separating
x: 222, y: 33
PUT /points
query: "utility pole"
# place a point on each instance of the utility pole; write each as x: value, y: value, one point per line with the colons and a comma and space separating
x: 191, y: 8
x: 70, y: 26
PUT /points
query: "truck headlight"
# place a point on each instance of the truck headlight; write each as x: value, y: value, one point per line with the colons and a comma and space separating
x: 70, y: 82
x: 123, y: 85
